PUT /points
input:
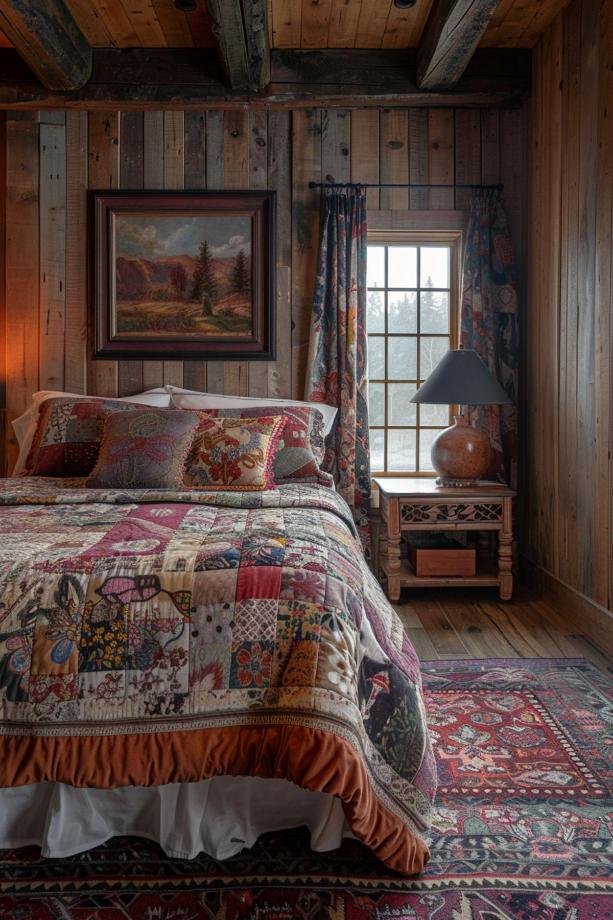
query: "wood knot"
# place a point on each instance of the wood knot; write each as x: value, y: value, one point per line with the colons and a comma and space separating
x: 395, y: 145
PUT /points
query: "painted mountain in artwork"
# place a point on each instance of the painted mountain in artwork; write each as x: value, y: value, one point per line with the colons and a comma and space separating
x: 203, y: 291
x: 167, y: 296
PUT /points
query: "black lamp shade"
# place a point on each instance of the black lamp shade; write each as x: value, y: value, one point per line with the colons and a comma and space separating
x: 461, y: 378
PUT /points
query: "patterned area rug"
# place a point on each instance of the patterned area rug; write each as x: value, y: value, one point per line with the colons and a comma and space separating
x: 523, y: 826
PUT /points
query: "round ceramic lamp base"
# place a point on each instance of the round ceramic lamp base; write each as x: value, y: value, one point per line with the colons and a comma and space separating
x: 460, y: 454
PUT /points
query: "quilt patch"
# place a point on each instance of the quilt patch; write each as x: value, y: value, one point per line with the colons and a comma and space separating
x: 131, y: 613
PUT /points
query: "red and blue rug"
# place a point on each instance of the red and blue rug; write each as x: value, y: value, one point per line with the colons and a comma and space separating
x: 523, y: 826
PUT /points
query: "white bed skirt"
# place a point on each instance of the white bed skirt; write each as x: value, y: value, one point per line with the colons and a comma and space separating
x: 218, y: 816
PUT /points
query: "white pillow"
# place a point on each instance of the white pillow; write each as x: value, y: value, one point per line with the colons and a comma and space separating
x: 25, y: 425
x: 192, y: 399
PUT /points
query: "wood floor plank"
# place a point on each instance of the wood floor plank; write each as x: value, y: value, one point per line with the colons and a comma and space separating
x: 474, y: 623
x: 422, y: 643
x: 482, y: 637
x: 445, y: 638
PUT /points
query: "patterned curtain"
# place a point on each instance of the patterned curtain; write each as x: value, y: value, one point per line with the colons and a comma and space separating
x: 336, y: 370
x: 490, y: 323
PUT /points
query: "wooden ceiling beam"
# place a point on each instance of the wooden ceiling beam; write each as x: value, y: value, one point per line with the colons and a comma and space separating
x: 187, y: 79
x: 49, y: 41
x: 450, y: 37
x: 240, y: 28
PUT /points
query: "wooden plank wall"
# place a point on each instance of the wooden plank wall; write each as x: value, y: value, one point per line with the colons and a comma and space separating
x: 53, y: 158
x: 568, y: 527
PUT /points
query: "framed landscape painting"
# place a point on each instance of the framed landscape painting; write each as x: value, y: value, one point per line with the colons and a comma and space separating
x: 183, y: 275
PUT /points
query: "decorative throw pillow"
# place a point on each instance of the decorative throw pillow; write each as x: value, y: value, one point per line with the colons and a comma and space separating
x: 233, y: 453
x: 25, y: 425
x: 300, y: 448
x: 68, y: 435
x: 192, y: 399
x: 144, y: 450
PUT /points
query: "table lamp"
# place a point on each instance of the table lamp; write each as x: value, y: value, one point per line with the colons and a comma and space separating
x: 461, y: 454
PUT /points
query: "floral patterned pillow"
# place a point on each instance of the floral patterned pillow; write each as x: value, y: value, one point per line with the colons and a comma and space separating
x: 236, y: 454
x: 144, y: 450
x: 68, y: 435
x: 300, y: 448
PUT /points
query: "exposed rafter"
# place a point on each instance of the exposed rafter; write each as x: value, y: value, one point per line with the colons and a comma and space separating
x: 49, y: 41
x: 449, y: 40
x: 240, y: 28
x: 186, y: 79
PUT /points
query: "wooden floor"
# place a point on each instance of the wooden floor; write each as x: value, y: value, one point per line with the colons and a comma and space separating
x: 474, y: 623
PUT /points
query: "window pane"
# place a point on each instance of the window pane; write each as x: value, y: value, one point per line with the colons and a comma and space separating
x: 376, y: 403
x: 376, y: 357
x: 431, y: 350
x: 375, y: 266
x: 433, y: 415
x: 401, y: 449
x: 434, y: 315
x: 402, y: 351
x: 402, y: 267
x: 375, y: 312
x: 402, y: 312
x: 434, y: 266
x: 376, y: 450
x: 426, y: 437
x: 400, y: 411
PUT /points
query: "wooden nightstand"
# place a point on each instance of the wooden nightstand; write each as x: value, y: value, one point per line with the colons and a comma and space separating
x: 413, y: 504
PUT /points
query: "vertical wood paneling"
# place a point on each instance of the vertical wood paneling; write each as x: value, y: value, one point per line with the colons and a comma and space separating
x: 22, y: 283
x: 335, y: 141
x: 279, y: 179
x: 569, y: 473
x: 236, y: 176
x: 569, y: 295
x: 365, y: 151
x: 223, y: 150
x: 52, y: 252
x: 131, y: 176
x: 394, y: 165
x: 306, y: 166
x: 214, y: 181
x: 587, y: 497
x: 467, y: 151
x: 75, y: 333
x: 153, y: 170
x: 194, y: 372
x: 441, y: 157
x: 103, y: 173
x: 258, y: 179
x: 603, y: 331
x: 173, y: 179
x: 418, y: 157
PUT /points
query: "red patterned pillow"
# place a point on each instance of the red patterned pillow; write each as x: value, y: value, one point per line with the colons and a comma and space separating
x: 68, y: 435
x: 234, y: 454
x: 300, y: 448
x: 144, y: 450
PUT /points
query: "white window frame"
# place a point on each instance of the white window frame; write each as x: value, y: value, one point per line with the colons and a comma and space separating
x: 448, y: 237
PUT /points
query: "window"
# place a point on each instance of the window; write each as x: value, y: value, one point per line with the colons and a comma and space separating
x: 411, y: 321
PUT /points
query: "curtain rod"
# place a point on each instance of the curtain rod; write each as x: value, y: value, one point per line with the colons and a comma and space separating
x: 499, y: 187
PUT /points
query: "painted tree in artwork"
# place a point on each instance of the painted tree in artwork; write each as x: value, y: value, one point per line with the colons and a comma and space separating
x: 240, y: 273
x: 203, y: 281
x: 178, y: 279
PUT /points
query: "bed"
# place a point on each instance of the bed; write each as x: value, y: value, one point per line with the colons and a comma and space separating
x: 199, y: 667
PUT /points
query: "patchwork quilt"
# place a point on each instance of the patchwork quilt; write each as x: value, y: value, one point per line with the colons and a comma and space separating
x: 150, y: 637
